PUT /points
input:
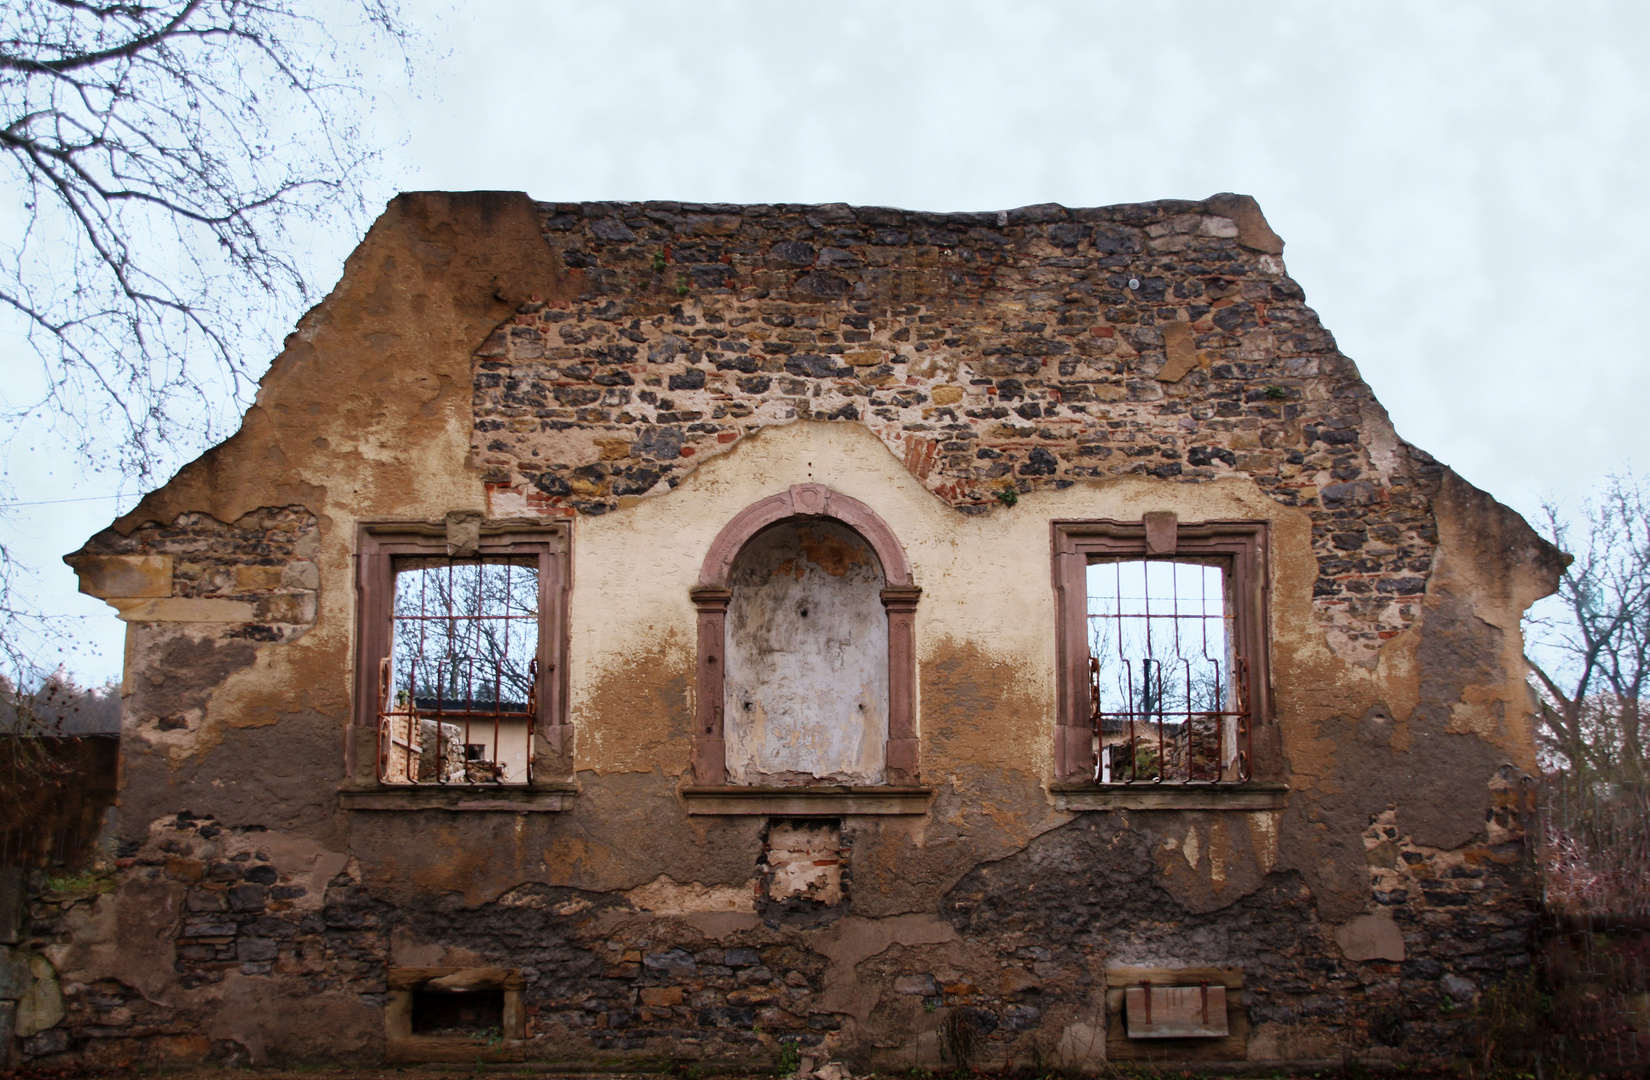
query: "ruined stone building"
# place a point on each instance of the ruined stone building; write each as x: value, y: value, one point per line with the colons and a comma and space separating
x: 626, y: 634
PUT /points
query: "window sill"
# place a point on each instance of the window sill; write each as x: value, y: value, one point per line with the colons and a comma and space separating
x: 455, y: 1049
x: 807, y: 801
x: 523, y: 799
x: 1251, y: 796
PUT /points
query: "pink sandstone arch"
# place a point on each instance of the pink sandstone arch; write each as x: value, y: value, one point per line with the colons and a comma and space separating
x: 899, y: 597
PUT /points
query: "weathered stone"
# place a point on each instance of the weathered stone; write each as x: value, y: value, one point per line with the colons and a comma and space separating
x: 921, y: 985
x: 15, y: 976
x: 52, y: 1041
x: 42, y: 1006
x: 177, y: 609
x: 111, y: 576
x: 674, y: 961
x: 1181, y: 352
x: 13, y: 903
x: 1371, y: 937
x: 1252, y: 230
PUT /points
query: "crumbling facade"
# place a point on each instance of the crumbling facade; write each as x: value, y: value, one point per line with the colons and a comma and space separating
x: 641, y: 633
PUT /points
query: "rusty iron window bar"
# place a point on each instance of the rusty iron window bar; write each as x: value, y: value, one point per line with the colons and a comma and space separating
x: 1168, y: 691
x: 458, y: 693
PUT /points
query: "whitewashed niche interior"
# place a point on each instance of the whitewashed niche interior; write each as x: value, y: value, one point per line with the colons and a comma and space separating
x: 806, y: 683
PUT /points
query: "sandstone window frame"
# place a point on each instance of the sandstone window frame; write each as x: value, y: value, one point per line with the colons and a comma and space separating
x: 710, y: 793
x: 461, y: 537
x: 1243, y: 549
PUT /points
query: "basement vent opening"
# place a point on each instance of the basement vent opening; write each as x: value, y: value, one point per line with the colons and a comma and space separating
x: 468, y: 1012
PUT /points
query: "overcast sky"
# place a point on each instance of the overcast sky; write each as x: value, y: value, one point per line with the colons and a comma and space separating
x: 1461, y: 185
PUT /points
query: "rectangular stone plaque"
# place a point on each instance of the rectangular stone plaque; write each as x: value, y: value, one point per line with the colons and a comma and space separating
x: 1175, y: 1012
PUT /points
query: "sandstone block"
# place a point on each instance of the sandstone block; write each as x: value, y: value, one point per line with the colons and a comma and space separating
x: 302, y: 574
x: 180, y: 1049
x: 1252, y: 230
x: 182, y: 609
x: 1182, y: 352
x: 1015, y: 980
x: 1215, y: 225
x: 251, y: 578
x: 661, y: 997
x: 42, y: 1007
x: 1371, y: 937
x: 110, y: 576
x: 298, y: 608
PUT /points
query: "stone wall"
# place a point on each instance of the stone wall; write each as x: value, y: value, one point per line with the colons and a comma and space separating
x: 992, y: 353
x: 645, y: 373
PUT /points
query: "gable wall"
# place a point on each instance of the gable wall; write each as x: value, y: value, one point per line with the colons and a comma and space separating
x: 489, y: 355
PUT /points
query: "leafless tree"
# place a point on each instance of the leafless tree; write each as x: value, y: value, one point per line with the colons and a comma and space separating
x: 165, y: 162
x: 167, y: 158
x: 466, y: 632
x: 1593, y: 640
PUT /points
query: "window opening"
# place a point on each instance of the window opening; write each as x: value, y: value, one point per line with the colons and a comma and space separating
x: 1168, y: 693
x: 459, y: 690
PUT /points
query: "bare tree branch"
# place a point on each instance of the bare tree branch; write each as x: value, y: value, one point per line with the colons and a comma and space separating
x: 1594, y: 636
x: 167, y: 159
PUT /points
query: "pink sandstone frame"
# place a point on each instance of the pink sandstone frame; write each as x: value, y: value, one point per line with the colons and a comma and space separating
x: 899, y: 597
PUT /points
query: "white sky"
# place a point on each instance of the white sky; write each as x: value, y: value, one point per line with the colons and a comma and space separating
x: 1461, y: 185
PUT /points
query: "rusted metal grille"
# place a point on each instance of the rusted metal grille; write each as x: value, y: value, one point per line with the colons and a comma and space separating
x: 1168, y: 695
x: 458, y: 694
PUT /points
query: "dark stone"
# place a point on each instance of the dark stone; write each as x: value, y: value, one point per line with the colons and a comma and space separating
x: 611, y: 229
x: 576, y: 396
x: 814, y: 366
x: 1039, y: 463
x: 1422, y: 968
x: 1208, y: 455
x: 256, y: 949
x: 1358, y: 493
x: 663, y: 443
x: 551, y: 484
x: 823, y: 284
x: 1116, y: 240
x: 792, y: 253
x: 51, y: 1041
x: 1022, y: 1017
x: 671, y: 962
x: 691, y: 379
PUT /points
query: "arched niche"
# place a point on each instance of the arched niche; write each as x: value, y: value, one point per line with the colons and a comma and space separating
x: 853, y: 553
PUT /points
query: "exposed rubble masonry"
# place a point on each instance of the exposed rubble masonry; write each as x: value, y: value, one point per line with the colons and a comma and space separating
x: 875, y: 861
